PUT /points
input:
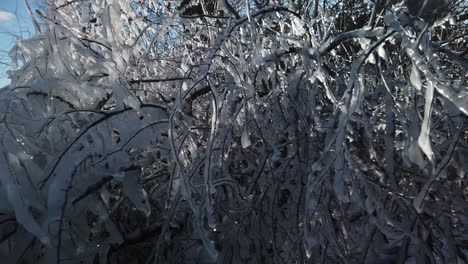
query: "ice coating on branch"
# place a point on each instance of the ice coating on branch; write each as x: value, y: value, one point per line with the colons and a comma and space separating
x: 424, y: 141
x: 415, y: 78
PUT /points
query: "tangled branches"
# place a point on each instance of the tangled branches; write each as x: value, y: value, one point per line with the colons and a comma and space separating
x: 240, y: 134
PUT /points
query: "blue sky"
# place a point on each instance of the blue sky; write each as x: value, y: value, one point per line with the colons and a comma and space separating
x: 14, y: 22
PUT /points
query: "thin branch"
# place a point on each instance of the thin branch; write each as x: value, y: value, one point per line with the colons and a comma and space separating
x: 159, y: 80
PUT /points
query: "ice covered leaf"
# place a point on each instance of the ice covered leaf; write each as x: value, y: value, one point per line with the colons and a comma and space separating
x: 382, y: 53
x: 221, y: 4
x: 17, y: 200
x: 371, y: 59
x: 123, y: 95
x: 134, y: 191
x: 245, y: 139
x: 193, y: 150
x: 364, y: 42
x: 298, y: 29
x: 415, y: 155
x: 294, y: 83
x: 132, y: 102
x: 22, y: 213
x: 341, y: 189
x: 20, y: 247
x: 339, y: 182
x: 459, y: 98
x: 208, y: 244
x: 419, y: 199
x: 23, y: 178
x: 369, y: 204
x: 415, y: 78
